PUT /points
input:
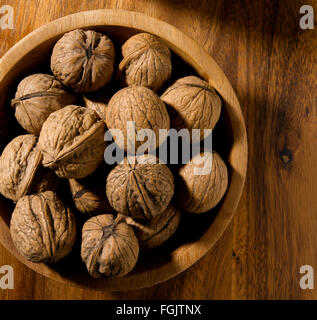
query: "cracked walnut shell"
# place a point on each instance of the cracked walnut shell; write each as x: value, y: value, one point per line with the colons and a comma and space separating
x: 157, y: 230
x: 83, y: 60
x: 42, y: 228
x: 141, y: 106
x: 146, y: 61
x: 37, y: 96
x: 192, y: 104
x: 140, y: 187
x: 72, y: 142
x: 21, y: 171
x: 200, y: 191
x: 109, y: 247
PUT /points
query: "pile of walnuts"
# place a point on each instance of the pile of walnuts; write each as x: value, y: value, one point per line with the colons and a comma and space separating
x: 139, y: 204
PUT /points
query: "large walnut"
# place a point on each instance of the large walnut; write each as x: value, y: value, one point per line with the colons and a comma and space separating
x: 202, y: 182
x: 21, y: 172
x: 72, y: 142
x: 141, y: 106
x: 157, y: 230
x: 83, y: 60
x: 37, y: 96
x: 109, y: 246
x: 42, y: 228
x: 146, y: 61
x: 192, y: 104
x: 140, y: 187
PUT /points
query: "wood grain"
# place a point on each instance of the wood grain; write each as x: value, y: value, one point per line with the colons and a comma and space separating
x: 271, y: 64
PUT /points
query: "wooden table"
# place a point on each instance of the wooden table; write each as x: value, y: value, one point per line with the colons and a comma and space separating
x: 272, y: 65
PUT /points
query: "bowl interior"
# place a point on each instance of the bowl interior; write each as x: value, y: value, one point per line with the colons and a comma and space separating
x: 196, y: 233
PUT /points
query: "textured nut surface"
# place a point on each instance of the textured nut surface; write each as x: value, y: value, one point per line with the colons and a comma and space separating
x: 72, y: 142
x: 99, y: 107
x: 109, y: 246
x: 157, y: 230
x: 140, y: 189
x: 43, y: 229
x: 37, y: 96
x: 192, y: 104
x: 86, y: 199
x: 146, y: 61
x: 83, y: 60
x: 199, y: 193
x: 142, y: 106
x: 20, y: 169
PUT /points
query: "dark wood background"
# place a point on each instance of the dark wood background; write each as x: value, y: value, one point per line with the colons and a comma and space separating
x: 272, y: 65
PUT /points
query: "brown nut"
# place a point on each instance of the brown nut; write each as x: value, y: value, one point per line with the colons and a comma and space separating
x: 192, y: 104
x: 141, y: 106
x: 200, y: 191
x: 86, y: 199
x: 21, y: 171
x: 109, y: 247
x: 146, y: 61
x: 100, y: 107
x: 42, y: 228
x: 83, y: 60
x: 37, y: 96
x: 72, y: 142
x: 157, y: 230
x: 140, y: 187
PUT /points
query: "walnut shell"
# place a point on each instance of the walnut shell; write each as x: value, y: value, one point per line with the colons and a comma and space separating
x: 109, y: 246
x: 192, y: 104
x: 197, y: 192
x: 100, y: 107
x: 42, y: 228
x: 140, y: 187
x: 83, y: 60
x: 144, y: 107
x: 37, y: 96
x: 21, y: 171
x: 87, y: 200
x: 72, y: 142
x: 146, y: 61
x: 157, y: 230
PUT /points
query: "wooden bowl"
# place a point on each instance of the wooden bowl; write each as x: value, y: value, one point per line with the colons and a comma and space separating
x: 194, y: 238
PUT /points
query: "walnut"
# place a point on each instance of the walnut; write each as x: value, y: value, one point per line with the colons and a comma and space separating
x: 145, y: 108
x: 146, y: 61
x: 21, y: 171
x: 37, y: 96
x: 109, y: 246
x: 72, y: 142
x: 83, y: 60
x: 157, y: 230
x: 192, y: 104
x: 42, y: 228
x: 140, y: 187
x: 100, y: 107
x: 87, y: 199
x: 201, y: 191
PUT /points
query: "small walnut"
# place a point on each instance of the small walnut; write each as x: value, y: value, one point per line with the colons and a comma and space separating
x: 200, y: 191
x: 157, y: 230
x: 146, y: 61
x: 42, y: 228
x: 100, y: 107
x: 83, y: 60
x: 72, y: 142
x: 145, y: 108
x: 87, y: 199
x: 140, y: 187
x: 192, y: 104
x: 109, y: 247
x: 21, y: 171
x: 36, y: 98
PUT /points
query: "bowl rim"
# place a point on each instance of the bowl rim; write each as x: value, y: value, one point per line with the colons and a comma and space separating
x: 205, y: 66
